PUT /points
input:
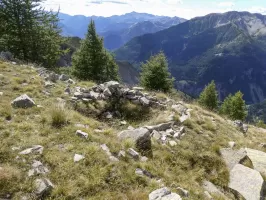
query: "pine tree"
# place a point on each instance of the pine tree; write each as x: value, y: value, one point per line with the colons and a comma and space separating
x: 30, y: 33
x: 234, y: 107
x: 155, y: 74
x: 92, y: 61
x: 226, y: 108
x: 209, y: 97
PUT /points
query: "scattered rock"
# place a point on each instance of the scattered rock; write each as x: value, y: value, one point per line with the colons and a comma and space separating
x: 241, y: 126
x: 37, y: 168
x: 36, y: 149
x: 246, y: 182
x: 179, y: 108
x: 48, y: 84
x: 122, y: 154
x: 140, y: 136
x: 78, y: 157
x: 82, y: 134
x: 23, y: 101
x: 123, y: 123
x: 233, y: 157
x: 262, y: 145
x: 78, y: 95
x: 63, y: 77
x: 143, y: 159
x: 108, y: 115
x: 43, y: 186
x: 133, y: 153
x: 68, y: 90
x: 172, y: 143
x: 142, y: 172
x: 130, y: 128
x: 156, y: 135
x: 53, y: 77
x: 138, y: 88
x: 211, y: 188
x: 161, y: 127
x: 231, y: 144
x: 182, y: 192
x: 258, y: 159
x: 144, y: 101
x: 1, y: 93
x: 107, y: 92
x: 163, y: 194
x: 105, y: 148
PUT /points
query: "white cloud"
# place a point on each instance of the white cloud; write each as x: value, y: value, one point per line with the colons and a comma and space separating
x: 226, y: 4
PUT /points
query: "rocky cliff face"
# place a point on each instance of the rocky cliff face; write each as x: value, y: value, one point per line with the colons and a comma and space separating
x: 229, y: 48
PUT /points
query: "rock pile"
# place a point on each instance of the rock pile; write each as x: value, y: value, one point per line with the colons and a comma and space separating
x: 113, y: 89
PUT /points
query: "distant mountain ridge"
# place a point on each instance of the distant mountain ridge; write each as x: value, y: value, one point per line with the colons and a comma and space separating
x: 229, y: 48
x: 117, y: 29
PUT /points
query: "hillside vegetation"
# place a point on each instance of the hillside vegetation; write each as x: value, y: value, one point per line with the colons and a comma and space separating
x: 53, y: 124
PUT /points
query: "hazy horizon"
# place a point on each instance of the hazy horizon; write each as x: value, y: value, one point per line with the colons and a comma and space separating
x: 181, y: 8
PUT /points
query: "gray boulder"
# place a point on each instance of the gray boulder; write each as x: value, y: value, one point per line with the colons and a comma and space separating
x: 78, y: 157
x: 163, y: 194
x: 239, y: 124
x: 37, y: 168
x: 144, y: 101
x: 82, y: 134
x: 6, y: 56
x: 36, y: 149
x: 233, y: 157
x: 161, y: 127
x: 258, y: 159
x: 179, y: 108
x: 134, y: 154
x: 112, y: 85
x: 246, y: 182
x: 43, y: 186
x: 63, y: 77
x: 92, y: 95
x: 53, y: 77
x: 23, y: 101
x: 141, y: 137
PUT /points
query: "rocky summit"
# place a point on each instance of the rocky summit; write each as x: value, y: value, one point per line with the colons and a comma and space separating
x: 66, y: 139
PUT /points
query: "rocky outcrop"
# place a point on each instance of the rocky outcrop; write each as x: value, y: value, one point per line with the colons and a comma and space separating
x: 246, y: 182
x: 113, y: 89
x: 233, y: 157
x: 140, y: 136
x: 23, y: 101
x: 258, y: 159
x: 163, y: 194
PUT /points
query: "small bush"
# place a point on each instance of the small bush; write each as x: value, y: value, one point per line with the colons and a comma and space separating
x: 58, y: 116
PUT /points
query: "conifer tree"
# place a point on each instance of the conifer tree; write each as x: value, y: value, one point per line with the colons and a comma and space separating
x: 92, y: 61
x: 209, y: 97
x: 30, y: 32
x: 234, y: 107
x: 155, y: 75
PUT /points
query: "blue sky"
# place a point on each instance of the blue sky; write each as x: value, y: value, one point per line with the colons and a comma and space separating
x: 181, y: 8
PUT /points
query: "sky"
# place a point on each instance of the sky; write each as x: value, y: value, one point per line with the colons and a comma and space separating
x: 181, y: 8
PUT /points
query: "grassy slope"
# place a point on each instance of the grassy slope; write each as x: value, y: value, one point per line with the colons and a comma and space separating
x: 194, y: 159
